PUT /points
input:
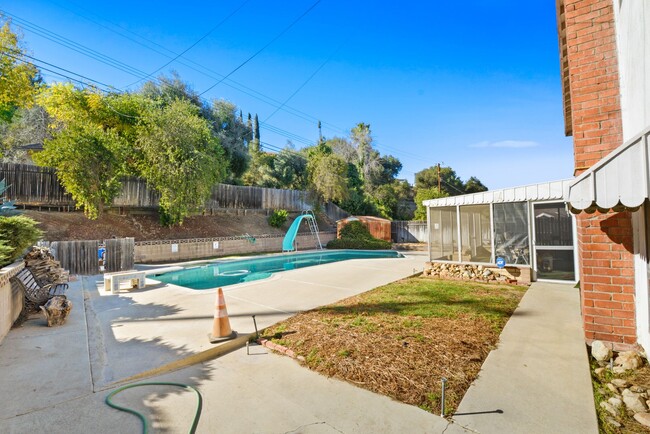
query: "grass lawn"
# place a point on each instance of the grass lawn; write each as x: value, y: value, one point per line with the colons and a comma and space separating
x: 401, y: 339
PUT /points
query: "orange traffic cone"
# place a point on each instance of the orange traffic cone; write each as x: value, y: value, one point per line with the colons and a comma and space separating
x: 221, y: 330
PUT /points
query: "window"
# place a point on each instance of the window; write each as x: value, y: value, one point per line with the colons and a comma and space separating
x: 511, y: 232
x: 475, y: 233
x: 443, y: 234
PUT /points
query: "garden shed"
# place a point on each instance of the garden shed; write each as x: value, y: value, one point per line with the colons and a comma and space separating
x: 378, y: 227
x: 526, y: 227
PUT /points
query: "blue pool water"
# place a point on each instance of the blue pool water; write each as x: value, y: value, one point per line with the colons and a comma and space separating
x: 247, y: 270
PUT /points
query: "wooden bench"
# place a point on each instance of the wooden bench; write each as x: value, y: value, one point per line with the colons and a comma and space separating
x: 112, y: 281
x: 37, y: 292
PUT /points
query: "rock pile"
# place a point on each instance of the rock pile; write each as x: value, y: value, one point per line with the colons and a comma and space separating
x: 467, y: 272
x: 45, y: 268
x: 623, y: 395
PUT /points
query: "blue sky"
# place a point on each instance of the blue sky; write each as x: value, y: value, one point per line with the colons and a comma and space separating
x: 475, y: 87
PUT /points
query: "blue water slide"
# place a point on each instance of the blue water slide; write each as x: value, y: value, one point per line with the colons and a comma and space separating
x: 290, y: 237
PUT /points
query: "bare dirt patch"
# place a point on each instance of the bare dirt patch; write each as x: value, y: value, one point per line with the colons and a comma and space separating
x: 63, y: 226
x: 401, y: 339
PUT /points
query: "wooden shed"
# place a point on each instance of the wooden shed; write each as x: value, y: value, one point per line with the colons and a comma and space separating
x: 378, y: 227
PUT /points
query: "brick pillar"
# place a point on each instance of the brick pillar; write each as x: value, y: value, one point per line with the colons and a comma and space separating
x: 604, y: 240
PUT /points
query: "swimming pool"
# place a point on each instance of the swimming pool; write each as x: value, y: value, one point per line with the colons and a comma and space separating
x: 248, y: 270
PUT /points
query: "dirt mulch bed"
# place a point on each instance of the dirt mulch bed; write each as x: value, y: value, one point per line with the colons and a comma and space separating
x: 401, y: 356
x: 62, y: 226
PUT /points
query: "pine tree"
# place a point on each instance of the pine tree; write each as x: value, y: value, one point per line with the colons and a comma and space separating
x: 320, y: 133
x: 256, y: 128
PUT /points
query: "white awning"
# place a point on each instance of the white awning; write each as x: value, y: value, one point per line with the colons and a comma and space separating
x: 553, y: 190
x: 617, y: 182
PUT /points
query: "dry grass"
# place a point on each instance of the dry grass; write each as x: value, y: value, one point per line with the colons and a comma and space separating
x: 401, y: 339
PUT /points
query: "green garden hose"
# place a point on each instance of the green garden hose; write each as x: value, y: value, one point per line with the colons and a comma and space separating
x: 145, y: 424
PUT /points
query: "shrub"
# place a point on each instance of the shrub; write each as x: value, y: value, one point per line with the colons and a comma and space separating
x: 278, y: 218
x: 355, y: 235
x: 359, y: 244
x: 17, y: 233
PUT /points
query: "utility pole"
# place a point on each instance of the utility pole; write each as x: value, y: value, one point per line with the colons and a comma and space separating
x: 439, y: 178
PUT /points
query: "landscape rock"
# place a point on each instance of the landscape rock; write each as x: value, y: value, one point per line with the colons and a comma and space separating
x: 609, y: 408
x: 600, y: 352
x: 628, y: 360
x: 616, y: 402
x: 479, y: 273
x: 634, y: 402
x: 612, y: 388
x: 618, y: 370
x: 643, y: 418
x: 613, y: 422
x: 638, y: 389
x: 619, y: 382
x: 599, y: 371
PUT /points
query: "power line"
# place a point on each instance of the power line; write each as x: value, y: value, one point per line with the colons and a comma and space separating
x: 304, y: 83
x: 193, y: 45
x: 195, y: 67
x: 286, y: 29
x: 95, y: 55
x: 75, y: 46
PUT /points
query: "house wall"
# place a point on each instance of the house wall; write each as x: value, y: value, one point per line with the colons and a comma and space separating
x: 633, y: 43
x: 605, y: 240
x: 11, y: 298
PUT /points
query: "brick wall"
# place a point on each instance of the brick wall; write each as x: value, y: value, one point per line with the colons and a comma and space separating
x: 605, y: 241
x: 594, y: 80
x: 607, y: 277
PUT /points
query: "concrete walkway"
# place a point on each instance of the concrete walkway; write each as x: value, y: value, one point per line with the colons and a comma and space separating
x: 57, y: 378
x: 538, y: 379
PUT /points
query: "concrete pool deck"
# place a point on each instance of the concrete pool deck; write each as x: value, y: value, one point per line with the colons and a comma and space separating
x: 56, y: 379
x: 170, y: 324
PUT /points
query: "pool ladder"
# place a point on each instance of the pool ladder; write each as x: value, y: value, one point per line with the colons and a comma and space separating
x: 313, y: 226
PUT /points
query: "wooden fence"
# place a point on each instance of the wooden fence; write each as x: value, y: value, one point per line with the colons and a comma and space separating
x: 120, y: 254
x: 33, y: 185
x: 409, y: 231
x: 39, y: 186
x: 78, y: 257
x: 81, y: 257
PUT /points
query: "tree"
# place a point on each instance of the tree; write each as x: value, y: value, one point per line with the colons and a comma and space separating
x: 232, y: 134
x: 423, y: 194
x: 367, y: 157
x: 167, y: 89
x: 179, y: 157
x: 328, y: 178
x: 90, y: 145
x: 474, y: 185
x: 289, y: 169
x: 256, y: 129
x: 28, y: 126
x: 327, y: 173
x: 19, y: 79
x: 86, y: 163
x: 450, y: 183
x: 391, y: 167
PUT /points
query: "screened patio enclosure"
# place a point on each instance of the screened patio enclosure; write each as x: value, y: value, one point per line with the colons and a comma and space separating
x: 527, y: 227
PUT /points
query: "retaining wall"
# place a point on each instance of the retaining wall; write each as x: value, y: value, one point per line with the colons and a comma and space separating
x: 11, y: 298
x: 200, y: 248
